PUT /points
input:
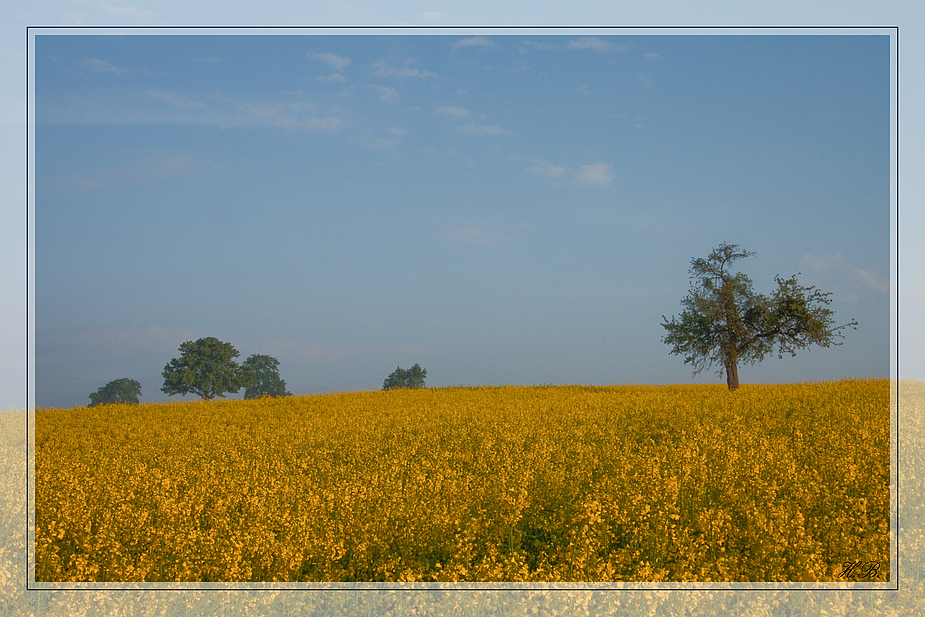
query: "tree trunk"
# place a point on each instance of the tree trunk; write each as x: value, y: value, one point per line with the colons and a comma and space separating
x: 732, y: 375
x: 733, y: 323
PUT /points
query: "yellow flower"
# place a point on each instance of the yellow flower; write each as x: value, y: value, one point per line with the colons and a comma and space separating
x: 565, y: 483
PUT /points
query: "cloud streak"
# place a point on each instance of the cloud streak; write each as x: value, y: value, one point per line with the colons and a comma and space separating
x: 323, y: 124
x: 836, y: 262
x: 456, y: 112
x: 824, y: 262
x: 547, y: 169
x: 593, y: 174
x: 290, y: 115
x: 871, y: 280
x: 483, y: 130
x: 475, y: 41
x: 383, y: 69
x: 381, y: 143
x: 599, y: 174
x: 595, y: 44
x: 163, y: 107
x: 338, y: 63
x: 386, y: 94
x: 101, y: 66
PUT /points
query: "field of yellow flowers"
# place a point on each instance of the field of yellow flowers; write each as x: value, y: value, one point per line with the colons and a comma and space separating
x: 545, y: 483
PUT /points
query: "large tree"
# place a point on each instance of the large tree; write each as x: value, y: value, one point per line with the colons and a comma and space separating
x: 725, y: 322
x: 206, y: 367
x: 401, y: 378
x: 123, y: 390
x: 264, y: 377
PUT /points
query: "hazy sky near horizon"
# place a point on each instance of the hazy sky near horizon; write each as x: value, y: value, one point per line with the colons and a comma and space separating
x: 516, y: 209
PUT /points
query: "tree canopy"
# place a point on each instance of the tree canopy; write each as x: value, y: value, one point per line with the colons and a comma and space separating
x: 725, y: 322
x: 263, y: 377
x: 401, y: 378
x: 117, y: 391
x: 206, y: 367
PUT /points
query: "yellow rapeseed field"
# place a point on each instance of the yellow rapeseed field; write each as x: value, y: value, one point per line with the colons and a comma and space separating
x: 545, y: 483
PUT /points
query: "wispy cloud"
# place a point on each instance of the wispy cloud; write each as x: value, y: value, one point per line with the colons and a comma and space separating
x: 333, y: 78
x: 869, y: 278
x: 387, y: 143
x: 162, y: 107
x: 541, y: 45
x: 339, y: 63
x: 824, y: 262
x: 383, y: 69
x: 102, y: 66
x: 289, y: 115
x: 594, y: 174
x: 456, y: 112
x: 475, y: 41
x: 323, y: 124
x: 386, y: 94
x: 595, y: 44
x: 600, y: 174
x: 277, y: 114
x: 483, y: 130
x: 476, y: 235
x: 591, y: 43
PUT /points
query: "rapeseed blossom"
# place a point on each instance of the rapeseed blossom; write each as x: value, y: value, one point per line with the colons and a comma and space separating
x: 564, y: 483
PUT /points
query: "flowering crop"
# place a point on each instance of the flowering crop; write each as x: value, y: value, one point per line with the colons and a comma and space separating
x: 544, y: 483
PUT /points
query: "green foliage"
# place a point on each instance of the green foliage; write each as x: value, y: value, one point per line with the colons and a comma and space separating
x: 263, y: 377
x: 401, y: 378
x: 117, y: 391
x: 726, y: 322
x: 206, y: 368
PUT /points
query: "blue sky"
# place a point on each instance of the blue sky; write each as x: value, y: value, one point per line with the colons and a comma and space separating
x: 511, y: 209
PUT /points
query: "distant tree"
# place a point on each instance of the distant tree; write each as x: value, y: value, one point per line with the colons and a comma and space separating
x: 117, y: 391
x: 206, y: 367
x: 401, y: 378
x: 726, y: 322
x: 263, y: 377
